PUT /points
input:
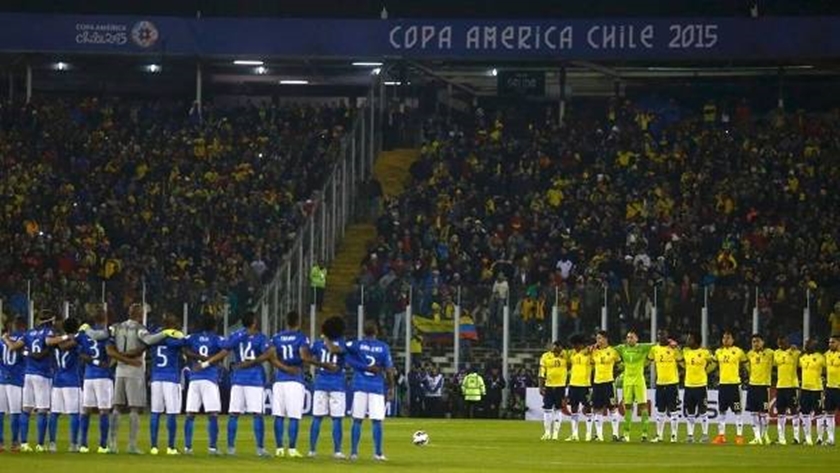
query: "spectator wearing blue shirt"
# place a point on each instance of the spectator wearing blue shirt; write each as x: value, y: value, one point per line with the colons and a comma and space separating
x: 329, y: 397
x: 11, y: 382
x: 289, y: 351
x: 206, y: 347
x: 166, y: 384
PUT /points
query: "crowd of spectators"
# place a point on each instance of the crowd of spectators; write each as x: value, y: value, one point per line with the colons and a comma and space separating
x: 199, y: 204
x: 627, y: 196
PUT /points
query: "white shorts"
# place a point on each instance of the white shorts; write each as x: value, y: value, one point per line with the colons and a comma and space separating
x: 333, y: 403
x: 246, y: 399
x: 203, y: 393
x: 98, y: 394
x: 166, y: 397
x: 370, y: 404
x: 287, y: 399
x: 36, y: 391
x: 66, y: 400
x: 11, y: 398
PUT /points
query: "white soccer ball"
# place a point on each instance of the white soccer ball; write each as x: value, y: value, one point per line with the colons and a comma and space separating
x: 420, y: 438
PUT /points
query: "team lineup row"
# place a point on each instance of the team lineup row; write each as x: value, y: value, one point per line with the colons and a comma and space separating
x: 582, y: 378
x: 90, y: 369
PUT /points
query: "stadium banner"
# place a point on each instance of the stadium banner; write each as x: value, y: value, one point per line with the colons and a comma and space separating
x: 521, y: 83
x: 533, y: 401
x: 442, y: 330
x: 772, y: 38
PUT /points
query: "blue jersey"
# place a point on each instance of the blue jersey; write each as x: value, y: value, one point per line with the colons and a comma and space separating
x: 35, y: 342
x: 166, y: 360
x: 205, y: 344
x: 12, y: 365
x: 245, y: 347
x: 326, y: 380
x: 288, y: 344
x: 68, y: 372
x: 96, y: 350
x: 369, y: 352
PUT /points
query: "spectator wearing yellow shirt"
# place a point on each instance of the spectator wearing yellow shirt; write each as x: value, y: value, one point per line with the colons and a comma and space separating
x: 834, y: 319
x: 812, y: 365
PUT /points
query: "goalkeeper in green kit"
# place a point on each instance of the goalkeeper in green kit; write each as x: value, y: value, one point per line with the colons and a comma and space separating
x: 634, y: 356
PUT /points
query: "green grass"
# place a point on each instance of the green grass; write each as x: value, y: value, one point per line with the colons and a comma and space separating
x: 456, y: 446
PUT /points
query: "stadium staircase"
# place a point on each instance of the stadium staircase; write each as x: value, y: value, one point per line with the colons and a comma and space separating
x: 391, y: 170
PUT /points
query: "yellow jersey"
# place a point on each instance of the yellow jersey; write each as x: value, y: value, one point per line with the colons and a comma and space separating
x: 605, y: 360
x: 812, y: 369
x: 786, y: 363
x: 730, y: 359
x: 666, y: 358
x: 832, y: 366
x: 554, y: 369
x: 697, y: 362
x: 581, y: 375
x: 761, y: 367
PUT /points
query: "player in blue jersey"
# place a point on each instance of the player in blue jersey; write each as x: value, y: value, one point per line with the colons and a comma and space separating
x: 203, y: 390
x: 247, y: 393
x: 67, y: 383
x: 98, y: 386
x: 373, y: 379
x: 289, y: 350
x: 166, y: 384
x: 12, y: 368
x: 329, y: 397
x: 37, y: 382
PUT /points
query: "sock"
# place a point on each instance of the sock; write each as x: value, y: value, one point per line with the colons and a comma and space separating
x: 259, y: 431
x: 171, y: 429
x: 278, y: 430
x: 377, y: 437
x: 690, y: 427
x: 133, y: 429
x: 765, y: 423
x: 104, y: 429
x: 575, y: 420
x: 795, y: 420
x: 780, y: 426
x: 355, y: 436
x: 830, y: 426
x: 84, y: 428
x: 756, y: 425
x: 820, y: 427
x: 704, y: 423
x: 232, y: 426
x: 74, y: 429
x: 599, y: 425
x: 52, y: 426
x: 189, y: 425
x: 14, y: 423
x: 293, y: 432
x: 548, y: 419
x: 314, y: 432
x: 628, y: 418
x: 645, y: 417
x: 588, y: 419
x: 154, y: 426
x: 24, y: 427
x: 558, y: 422
x: 722, y: 424
x: 806, y: 425
x: 660, y: 424
x: 615, y: 420
x: 337, y: 432
x: 115, y: 428
x: 675, y: 424
x: 41, y: 424
x: 739, y: 424
x: 213, y: 431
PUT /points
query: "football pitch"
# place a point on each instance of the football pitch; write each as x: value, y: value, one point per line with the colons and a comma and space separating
x: 456, y: 446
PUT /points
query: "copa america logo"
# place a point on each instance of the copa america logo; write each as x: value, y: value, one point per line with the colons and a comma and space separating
x: 144, y: 34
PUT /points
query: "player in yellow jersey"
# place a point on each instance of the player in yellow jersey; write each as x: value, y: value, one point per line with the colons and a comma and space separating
x: 832, y: 386
x: 665, y: 356
x: 698, y: 362
x: 730, y: 358
x: 604, y: 358
x: 554, y: 369
x: 786, y: 361
x: 812, y: 364
x: 758, y: 390
x: 580, y: 382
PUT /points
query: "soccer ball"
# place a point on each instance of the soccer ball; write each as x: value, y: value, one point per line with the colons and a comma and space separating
x: 420, y: 438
